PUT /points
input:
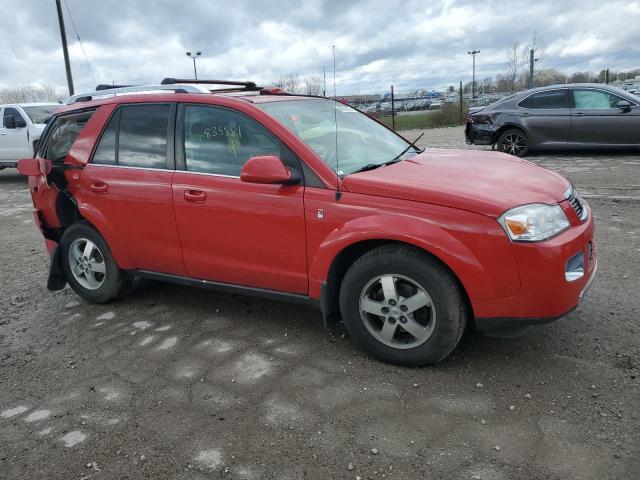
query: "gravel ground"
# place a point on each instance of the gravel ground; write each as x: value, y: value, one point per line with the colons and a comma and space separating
x: 182, y: 383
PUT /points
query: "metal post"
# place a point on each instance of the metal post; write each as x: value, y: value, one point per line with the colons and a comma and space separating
x: 460, y: 92
x: 473, y: 53
x: 65, y: 51
x: 393, y: 110
x: 606, y: 77
x: 324, y: 82
x: 531, y: 62
x: 473, y: 79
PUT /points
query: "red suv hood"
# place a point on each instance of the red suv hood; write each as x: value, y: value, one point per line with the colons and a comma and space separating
x: 479, y: 181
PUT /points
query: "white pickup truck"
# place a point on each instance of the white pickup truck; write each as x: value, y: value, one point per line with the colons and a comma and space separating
x: 20, y: 129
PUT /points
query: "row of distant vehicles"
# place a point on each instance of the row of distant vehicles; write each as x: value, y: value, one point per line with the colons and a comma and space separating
x: 434, y: 101
x: 384, y: 107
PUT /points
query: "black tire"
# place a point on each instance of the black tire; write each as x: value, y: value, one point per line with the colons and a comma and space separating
x: 446, y: 294
x: 514, y: 142
x: 114, y: 281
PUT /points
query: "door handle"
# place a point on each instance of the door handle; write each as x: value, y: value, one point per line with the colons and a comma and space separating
x: 99, y: 187
x: 195, y: 196
x: 3, y: 133
x: 579, y: 114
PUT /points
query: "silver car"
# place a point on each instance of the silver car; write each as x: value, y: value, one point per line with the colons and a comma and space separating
x: 580, y: 115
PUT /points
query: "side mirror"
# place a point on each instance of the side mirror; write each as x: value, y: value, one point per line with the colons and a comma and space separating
x: 268, y: 169
x: 34, y: 167
x: 624, y: 105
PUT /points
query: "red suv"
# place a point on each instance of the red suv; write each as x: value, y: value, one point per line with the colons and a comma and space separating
x: 306, y: 199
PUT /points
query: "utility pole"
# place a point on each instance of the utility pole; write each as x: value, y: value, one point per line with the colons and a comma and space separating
x: 65, y: 51
x: 460, y: 92
x: 393, y: 110
x: 324, y: 82
x: 193, y: 57
x: 532, y: 61
x: 473, y: 53
x: 606, y: 77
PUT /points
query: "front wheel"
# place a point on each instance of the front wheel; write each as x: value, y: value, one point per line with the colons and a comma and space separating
x: 402, y: 306
x: 88, y: 265
x: 513, y: 142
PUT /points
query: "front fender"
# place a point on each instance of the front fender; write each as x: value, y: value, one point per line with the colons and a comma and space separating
x: 484, y: 272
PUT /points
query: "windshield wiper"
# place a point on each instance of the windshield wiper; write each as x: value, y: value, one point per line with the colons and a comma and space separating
x: 396, y: 159
x: 369, y: 166
x: 412, y: 144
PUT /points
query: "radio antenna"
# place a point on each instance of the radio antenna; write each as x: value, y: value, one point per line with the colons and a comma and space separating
x: 335, y: 120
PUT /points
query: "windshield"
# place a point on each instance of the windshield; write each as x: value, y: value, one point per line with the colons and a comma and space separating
x: 361, y: 141
x: 40, y: 113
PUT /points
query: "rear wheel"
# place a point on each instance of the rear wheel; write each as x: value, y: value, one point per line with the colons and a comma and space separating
x: 402, y: 306
x: 513, y: 142
x: 89, y: 267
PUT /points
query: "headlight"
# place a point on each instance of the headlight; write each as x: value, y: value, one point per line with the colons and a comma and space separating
x: 535, y: 222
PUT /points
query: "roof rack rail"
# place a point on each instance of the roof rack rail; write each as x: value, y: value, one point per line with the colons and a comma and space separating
x: 251, y: 86
x: 119, y: 90
x: 106, y: 86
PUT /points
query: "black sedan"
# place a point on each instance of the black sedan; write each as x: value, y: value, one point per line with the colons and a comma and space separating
x: 558, y: 117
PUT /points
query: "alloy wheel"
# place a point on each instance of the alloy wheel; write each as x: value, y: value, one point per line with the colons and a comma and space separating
x: 87, y: 263
x: 514, y: 144
x: 397, y: 311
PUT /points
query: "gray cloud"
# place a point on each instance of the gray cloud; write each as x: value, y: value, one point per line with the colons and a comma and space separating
x: 410, y: 44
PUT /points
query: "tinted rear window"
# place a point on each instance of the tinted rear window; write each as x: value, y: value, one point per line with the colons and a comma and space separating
x: 63, y: 134
x: 136, y: 136
x: 550, y: 99
x: 142, y: 141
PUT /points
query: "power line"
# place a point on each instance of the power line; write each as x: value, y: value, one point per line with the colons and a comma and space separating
x: 80, y: 42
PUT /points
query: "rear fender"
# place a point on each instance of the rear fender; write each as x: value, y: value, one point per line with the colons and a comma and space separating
x: 98, y: 221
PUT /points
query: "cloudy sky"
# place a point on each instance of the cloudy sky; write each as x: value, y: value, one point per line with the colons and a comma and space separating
x: 411, y: 44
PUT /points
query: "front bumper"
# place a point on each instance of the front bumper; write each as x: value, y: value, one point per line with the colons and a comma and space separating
x: 545, y: 294
x: 478, y: 133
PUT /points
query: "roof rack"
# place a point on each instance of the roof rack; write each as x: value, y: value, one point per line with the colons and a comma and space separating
x: 101, y: 91
x: 176, y: 85
x: 106, y: 86
x: 246, y: 86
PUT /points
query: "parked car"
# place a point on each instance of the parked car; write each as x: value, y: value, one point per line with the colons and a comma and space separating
x: 22, y: 125
x: 248, y: 192
x: 561, y: 116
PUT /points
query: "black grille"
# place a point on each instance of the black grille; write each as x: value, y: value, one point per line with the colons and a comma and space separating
x: 576, y: 203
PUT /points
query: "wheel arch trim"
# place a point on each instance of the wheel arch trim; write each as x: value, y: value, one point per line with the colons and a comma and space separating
x: 418, y: 233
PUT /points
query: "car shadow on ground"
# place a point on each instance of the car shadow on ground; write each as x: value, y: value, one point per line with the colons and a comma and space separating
x: 274, y: 319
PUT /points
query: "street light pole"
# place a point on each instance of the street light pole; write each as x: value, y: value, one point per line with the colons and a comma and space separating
x: 473, y: 53
x: 193, y: 57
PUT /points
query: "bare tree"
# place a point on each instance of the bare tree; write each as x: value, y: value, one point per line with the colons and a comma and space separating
x: 287, y: 82
x: 22, y: 94
x: 536, y: 44
x: 313, y: 85
x: 515, y: 64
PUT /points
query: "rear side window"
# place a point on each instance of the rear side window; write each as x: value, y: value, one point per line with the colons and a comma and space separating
x: 63, y: 134
x: 136, y: 136
x: 550, y: 99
